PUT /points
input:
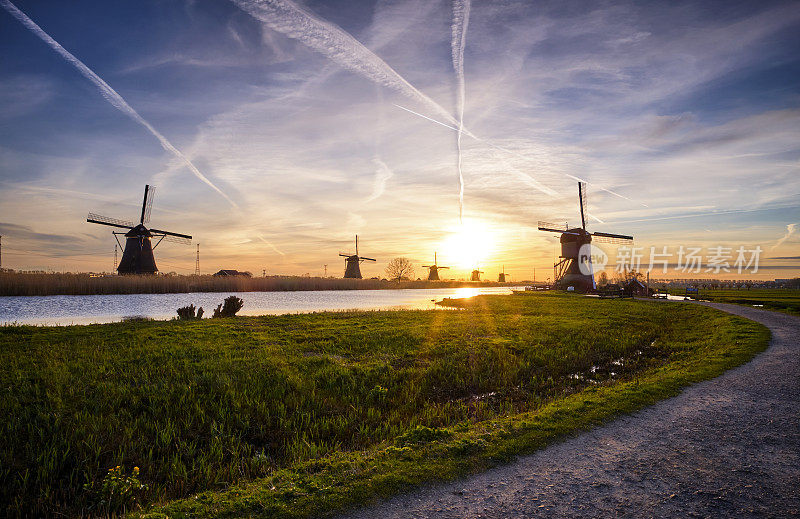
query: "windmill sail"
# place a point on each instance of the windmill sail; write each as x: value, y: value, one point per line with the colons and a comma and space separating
x: 583, y: 202
x: 352, y: 263
x: 172, y: 234
x: 575, y: 268
x: 137, y: 256
x: 149, y: 194
x: 433, y: 270
x: 176, y: 239
x: 553, y: 227
x: 106, y: 220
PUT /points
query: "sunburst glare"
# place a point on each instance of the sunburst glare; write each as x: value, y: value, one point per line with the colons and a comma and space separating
x: 469, y: 245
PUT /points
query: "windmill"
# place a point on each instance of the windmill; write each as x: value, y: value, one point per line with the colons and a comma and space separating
x: 476, y: 275
x: 137, y: 255
x: 501, y: 278
x: 352, y: 263
x: 575, y: 267
x: 433, y: 270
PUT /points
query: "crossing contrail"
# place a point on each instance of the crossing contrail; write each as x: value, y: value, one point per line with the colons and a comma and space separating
x: 517, y: 154
x: 459, y: 28
x: 426, y: 117
x: 108, y: 93
x: 339, y: 46
x: 330, y: 40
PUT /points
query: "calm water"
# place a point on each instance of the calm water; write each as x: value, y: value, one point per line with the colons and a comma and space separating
x: 65, y: 310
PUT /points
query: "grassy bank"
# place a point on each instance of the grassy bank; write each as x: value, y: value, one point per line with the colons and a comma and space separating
x: 42, y: 284
x: 781, y: 299
x: 296, y: 415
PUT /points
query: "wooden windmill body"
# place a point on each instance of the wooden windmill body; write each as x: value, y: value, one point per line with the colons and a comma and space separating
x: 501, y: 278
x: 568, y: 270
x: 137, y: 255
x: 433, y: 270
x: 352, y: 263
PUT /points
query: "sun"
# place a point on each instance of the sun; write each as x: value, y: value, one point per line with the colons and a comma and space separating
x: 469, y: 245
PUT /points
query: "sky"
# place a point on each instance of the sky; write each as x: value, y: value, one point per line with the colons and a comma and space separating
x: 276, y: 131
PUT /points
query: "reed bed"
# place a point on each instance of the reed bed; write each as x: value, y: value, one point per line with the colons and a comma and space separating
x: 45, y: 284
x: 202, y: 405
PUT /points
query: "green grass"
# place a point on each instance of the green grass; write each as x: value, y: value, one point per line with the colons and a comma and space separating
x: 781, y: 299
x: 293, y: 416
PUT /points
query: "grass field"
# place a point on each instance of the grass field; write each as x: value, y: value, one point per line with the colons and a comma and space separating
x: 46, y: 284
x: 780, y: 299
x: 293, y: 416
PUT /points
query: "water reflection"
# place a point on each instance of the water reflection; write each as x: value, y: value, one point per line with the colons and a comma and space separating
x: 65, y: 310
x: 465, y: 293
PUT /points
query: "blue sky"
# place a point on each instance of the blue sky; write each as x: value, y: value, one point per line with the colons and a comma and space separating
x: 689, y: 110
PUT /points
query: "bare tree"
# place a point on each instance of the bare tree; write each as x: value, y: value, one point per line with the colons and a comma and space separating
x: 400, y: 268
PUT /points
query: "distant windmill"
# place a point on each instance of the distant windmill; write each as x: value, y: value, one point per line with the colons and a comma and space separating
x: 137, y: 255
x: 352, y: 263
x: 567, y: 271
x: 433, y: 270
x: 476, y: 275
x: 502, y: 277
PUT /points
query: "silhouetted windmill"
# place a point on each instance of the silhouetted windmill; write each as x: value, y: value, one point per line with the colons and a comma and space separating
x: 476, y: 275
x: 137, y: 255
x: 352, y: 263
x: 502, y: 277
x: 433, y: 270
x: 568, y: 270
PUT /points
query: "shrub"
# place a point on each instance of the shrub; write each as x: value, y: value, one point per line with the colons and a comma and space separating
x: 188, y: 312
x: 229, y: 307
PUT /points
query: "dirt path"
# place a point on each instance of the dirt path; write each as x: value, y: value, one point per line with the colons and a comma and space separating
x: 727, y: 447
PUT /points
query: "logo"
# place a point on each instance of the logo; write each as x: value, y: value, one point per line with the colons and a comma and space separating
x: 591, y: 258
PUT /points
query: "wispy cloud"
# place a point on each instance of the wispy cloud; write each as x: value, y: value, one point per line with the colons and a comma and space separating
x: 290, y: 19
x: 459, y: 41
x: 25, y: 233
x: 790, y: 230
x: 535, y: 183
x: 108, y: 93
x: 678, y: 106
x: 382, y: 175
x: 22, y: 93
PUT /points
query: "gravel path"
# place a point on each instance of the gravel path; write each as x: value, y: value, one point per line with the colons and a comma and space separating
x: 727, y: 447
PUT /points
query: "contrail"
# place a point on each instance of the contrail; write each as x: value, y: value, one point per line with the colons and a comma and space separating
x: 601, y: 188
x: 516, y: 154
x: 525, y: 177
x: 271, y: 245
x: 426, y: 117
x: 693, y: 215
x: 329, y: 39
x: 459, y: 28
x: 108, y: 93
